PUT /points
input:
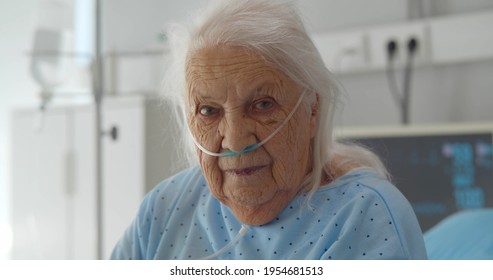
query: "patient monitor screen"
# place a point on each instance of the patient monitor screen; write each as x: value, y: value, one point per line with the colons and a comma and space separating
x: 439, y: 174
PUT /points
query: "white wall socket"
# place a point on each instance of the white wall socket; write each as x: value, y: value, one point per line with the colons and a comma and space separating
x: 401, y: 34
x: 343, y: 52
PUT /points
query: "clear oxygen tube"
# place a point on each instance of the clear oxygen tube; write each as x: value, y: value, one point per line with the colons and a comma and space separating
x: 243, y: 230
x: 251, y: 147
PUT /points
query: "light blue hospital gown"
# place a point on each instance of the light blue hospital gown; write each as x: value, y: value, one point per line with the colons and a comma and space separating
x: 358, y: 216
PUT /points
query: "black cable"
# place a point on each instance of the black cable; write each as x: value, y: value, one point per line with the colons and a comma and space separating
x: 391, y: 80
x: 412, y: 45
x: 401, y: 99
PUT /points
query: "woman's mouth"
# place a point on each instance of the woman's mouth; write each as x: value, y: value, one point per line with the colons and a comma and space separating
x: 245, y: 171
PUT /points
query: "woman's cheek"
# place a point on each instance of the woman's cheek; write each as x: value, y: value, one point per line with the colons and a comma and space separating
x: 291, y: 159
x: 212, y: 173
x: 198, y: 129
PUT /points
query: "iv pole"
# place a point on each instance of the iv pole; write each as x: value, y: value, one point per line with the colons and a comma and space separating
x: 98, y: 86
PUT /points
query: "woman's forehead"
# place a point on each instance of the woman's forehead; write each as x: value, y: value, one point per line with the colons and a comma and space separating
x: 229, y: 65
x: 216, y: 56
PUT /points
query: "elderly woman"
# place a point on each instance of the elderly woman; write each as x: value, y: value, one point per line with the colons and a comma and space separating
x: 272, y: 183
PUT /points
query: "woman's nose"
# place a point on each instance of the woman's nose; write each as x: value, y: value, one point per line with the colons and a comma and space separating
x: 237, y: 132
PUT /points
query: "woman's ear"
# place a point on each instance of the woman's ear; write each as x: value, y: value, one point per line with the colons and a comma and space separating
x: 314, y: 115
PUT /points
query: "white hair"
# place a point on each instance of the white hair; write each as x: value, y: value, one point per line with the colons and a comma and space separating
x: 274, y: 30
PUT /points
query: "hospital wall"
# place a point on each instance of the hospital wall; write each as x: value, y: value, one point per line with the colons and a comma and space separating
x: 440, y: 92
x: 16, y: 25
x: 453, y: 92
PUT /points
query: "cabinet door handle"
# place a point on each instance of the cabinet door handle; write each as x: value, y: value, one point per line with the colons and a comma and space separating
x: 114, y: 133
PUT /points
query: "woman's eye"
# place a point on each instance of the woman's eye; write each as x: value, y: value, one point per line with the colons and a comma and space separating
x: 264, y: 105
x: 208, y: 111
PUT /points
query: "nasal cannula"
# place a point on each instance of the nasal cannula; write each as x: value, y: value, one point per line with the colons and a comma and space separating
x: 251, y: 147
x: 243, y: 230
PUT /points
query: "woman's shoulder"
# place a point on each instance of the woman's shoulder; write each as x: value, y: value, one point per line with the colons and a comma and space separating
x: 373, y: 204
x: 191, y: 175
x: 173, y: 188
x: 363, y: 190
x: 365, y: 180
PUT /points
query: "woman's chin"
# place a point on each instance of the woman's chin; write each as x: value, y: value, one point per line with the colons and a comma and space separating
x: 255, y: 212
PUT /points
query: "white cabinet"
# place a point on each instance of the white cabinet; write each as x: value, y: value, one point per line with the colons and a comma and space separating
x: 42, y: 199
x: 141, y: 156
x: 54, y: 189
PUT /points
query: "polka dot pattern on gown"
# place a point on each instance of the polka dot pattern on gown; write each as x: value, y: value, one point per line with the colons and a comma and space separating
x: 180, y: 219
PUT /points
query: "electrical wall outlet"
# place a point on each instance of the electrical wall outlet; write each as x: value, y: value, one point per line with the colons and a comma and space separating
x: 343, y: 52
x: 379, y: 38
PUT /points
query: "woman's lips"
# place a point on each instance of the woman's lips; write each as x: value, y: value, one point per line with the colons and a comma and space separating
x: 245, y: 171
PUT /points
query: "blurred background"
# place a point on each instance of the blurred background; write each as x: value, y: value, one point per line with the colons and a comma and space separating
x: 407, y: 68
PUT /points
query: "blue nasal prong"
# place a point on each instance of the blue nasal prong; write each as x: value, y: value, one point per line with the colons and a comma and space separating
x: 247, y: 149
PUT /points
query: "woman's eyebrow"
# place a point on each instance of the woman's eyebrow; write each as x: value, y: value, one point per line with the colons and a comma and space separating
x: 271, y: 87
x: 204, y: 95
x: 199, y: 94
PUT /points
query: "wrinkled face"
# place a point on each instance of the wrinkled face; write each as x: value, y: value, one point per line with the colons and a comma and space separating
x: 236, y: 99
